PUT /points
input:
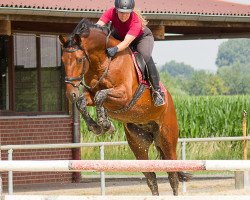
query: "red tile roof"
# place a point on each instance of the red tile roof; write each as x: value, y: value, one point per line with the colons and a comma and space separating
x: 196, y: 7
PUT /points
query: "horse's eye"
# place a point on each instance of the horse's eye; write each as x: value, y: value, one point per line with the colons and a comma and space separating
x: 79, y: 60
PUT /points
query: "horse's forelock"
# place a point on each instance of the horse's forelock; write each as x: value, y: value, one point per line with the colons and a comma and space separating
x: 70, y: 42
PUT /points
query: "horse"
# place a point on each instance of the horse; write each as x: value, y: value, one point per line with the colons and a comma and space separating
x: 110, y: 85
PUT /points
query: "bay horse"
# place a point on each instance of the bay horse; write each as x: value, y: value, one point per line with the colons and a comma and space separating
x: 110, y: 85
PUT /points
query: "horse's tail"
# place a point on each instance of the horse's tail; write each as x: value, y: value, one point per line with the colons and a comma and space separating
x: 182, y: 176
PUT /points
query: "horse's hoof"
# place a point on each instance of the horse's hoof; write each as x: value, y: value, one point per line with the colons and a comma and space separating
x: 97, y: 130
x: 111, y: 129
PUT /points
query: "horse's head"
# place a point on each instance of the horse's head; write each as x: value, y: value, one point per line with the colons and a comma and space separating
x: 75, y: 62
x: 80, y: 50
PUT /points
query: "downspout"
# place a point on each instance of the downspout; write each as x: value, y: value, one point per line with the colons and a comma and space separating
x: 1, y: 180
x: 76, y: 152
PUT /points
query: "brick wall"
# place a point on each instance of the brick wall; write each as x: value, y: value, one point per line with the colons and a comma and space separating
x: 37, y: 130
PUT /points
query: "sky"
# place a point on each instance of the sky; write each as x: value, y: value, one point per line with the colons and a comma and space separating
x: 199, y: 54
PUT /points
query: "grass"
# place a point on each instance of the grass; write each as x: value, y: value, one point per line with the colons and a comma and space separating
x: 198, y: 117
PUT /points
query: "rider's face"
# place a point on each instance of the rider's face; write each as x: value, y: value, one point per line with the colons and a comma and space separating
x: 123, y: 16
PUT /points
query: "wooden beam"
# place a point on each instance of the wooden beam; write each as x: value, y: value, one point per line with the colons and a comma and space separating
x: 158, y: 31
x: 206, y: 36
x: 189, y: 23
x: 5, y: 27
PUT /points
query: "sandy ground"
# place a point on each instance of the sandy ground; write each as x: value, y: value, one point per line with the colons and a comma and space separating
x: 135, y: 187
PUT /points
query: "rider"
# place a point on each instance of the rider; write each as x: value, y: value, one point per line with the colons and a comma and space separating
x: 131, y: 31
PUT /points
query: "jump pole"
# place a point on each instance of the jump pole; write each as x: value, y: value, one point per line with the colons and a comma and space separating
x: 210, y: 197
x: 126, y: 165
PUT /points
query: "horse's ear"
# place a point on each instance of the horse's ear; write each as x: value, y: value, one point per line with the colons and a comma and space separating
x: 62, y: 40
x: 78, y: 39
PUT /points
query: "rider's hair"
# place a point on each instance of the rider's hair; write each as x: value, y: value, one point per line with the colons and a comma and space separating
x: 143, y: 20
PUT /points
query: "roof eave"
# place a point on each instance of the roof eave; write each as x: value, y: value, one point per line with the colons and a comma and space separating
x: 197, y: 17
x: 97, y: 14
x: 50, y: 12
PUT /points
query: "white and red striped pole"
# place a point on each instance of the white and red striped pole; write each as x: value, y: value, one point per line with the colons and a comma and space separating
x: 126, y: 165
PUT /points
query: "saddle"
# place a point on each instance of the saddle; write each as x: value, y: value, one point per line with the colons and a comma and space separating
x: 141, y: 68
x: 142, y: 71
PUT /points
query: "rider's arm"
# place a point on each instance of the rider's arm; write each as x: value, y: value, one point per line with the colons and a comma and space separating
x: 126, y: 42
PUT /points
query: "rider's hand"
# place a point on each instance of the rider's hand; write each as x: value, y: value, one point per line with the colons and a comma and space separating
x: 112, y: 51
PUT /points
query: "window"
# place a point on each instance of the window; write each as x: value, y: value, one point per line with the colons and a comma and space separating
x: 25, y: 62
x: 52, y: 89
x: 38, y: 82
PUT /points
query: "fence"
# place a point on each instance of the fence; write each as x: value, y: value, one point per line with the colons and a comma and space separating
x: 122, y: 165
x: 183, y: 141
x: 41, y: 197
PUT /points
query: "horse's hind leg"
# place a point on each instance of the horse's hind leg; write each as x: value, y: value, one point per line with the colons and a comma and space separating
x: 167, y: 141
x: 139, y: 142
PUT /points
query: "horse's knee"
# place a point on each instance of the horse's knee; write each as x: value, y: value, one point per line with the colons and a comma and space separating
x: 100, y: 97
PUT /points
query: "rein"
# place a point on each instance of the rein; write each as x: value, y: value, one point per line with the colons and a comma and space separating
x: 69, y: 80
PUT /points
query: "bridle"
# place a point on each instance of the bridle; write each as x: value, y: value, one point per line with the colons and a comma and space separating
x: 80, y: 78
x: 70, y: 80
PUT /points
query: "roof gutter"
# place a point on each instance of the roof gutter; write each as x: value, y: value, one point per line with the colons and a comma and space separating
x: 197, y: 17
x: 97, y: 14
x: 49, y: 12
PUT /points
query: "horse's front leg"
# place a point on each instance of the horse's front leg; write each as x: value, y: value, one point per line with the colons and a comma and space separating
x: 91, y: 124
x: 101, y: 113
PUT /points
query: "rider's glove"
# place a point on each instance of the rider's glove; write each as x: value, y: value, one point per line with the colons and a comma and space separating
x: 112, y: 51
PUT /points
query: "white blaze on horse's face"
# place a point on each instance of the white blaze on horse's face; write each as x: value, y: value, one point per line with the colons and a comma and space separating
x: 123, y: 16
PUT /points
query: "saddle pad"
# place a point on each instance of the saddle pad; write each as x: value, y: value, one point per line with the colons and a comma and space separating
x: 139, y: 75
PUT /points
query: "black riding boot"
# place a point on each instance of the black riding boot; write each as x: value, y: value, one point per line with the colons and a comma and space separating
x: 154, y: 78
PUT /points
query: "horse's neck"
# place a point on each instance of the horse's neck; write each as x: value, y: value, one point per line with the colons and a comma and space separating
x: 98, y: 42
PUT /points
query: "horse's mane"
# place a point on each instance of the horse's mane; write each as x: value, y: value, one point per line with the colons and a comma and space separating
x: 84, y: 25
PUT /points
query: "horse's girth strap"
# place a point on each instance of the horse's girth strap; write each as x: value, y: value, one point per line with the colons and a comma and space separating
x: 138, y: 93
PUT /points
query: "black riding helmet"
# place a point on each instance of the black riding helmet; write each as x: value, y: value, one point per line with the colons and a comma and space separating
x: 124, y: 5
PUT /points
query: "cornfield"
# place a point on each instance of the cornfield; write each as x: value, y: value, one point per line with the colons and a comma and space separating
x: 211, y: 116
x: 198, y: 117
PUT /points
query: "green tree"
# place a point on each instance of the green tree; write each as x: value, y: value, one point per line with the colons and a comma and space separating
x: 236, y: 78
x: 205, y: 83
x: 215, y: 85
x: 197, y: 84
x: 233, y: 51
x: 172, y: 85
x: 177, y: 69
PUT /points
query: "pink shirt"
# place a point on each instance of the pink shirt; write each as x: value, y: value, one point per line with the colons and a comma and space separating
x: 132, y: 26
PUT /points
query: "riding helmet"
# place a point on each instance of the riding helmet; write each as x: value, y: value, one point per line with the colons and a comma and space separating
x: 124, y: 5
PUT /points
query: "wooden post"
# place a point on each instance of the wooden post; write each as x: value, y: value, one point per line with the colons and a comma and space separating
x: 244, y: 128
x: 158, y: 32
x: 5, y: 27
x: 242, y: 178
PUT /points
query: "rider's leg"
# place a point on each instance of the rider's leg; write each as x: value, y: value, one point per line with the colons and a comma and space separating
x: 144, y: 45
x: 154, y: 78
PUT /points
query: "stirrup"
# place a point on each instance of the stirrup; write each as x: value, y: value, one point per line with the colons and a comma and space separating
x: 158, y: 98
